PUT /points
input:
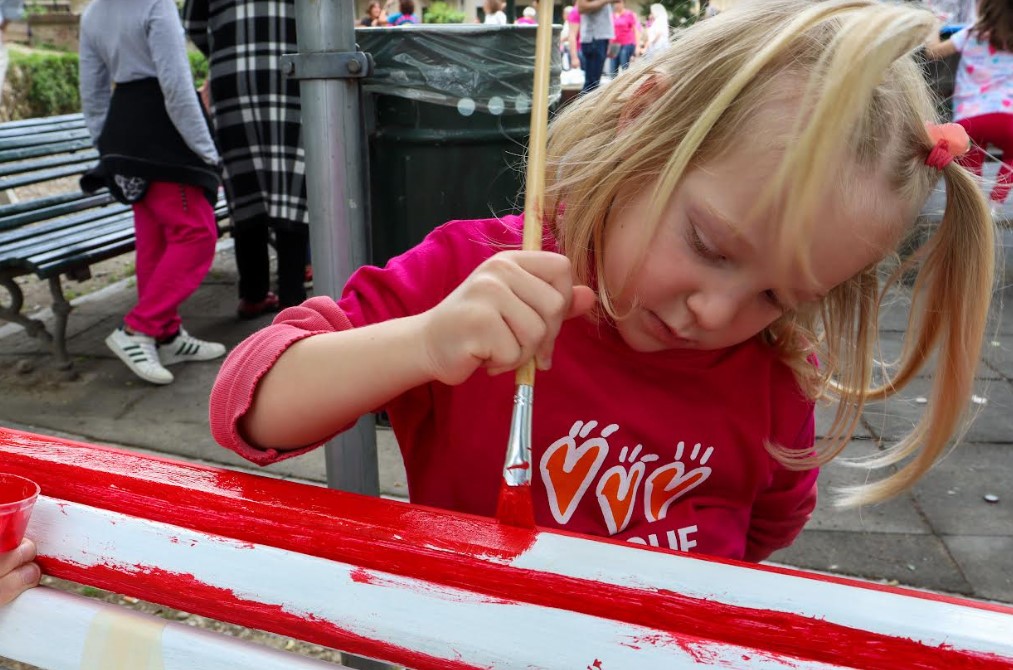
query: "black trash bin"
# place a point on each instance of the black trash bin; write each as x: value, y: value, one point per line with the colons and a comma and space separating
x: 447, y: 117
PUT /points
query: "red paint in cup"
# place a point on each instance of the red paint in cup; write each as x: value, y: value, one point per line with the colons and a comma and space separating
x: 17, y: 498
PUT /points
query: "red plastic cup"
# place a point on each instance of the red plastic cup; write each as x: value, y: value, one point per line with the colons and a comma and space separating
x: 17, y: 498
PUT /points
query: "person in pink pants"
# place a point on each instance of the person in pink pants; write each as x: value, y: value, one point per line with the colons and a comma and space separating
x: 983, y: 88
x: 156, y: 154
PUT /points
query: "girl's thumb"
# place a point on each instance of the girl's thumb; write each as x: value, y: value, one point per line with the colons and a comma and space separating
x: 582, y: 302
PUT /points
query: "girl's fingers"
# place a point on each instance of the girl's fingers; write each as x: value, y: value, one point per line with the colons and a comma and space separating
x: 540, y: 281
x: 522, y: 332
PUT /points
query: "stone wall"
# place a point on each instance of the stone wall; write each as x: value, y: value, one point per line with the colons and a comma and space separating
x: 60, y: 31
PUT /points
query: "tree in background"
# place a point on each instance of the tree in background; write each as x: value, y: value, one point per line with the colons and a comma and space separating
x: 681, y: 13
x: 441, y: 12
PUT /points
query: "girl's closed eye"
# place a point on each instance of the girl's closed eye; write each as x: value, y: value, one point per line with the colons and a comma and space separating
x: 701, y: 247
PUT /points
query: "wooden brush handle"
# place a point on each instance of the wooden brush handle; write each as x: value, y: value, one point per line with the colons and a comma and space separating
x: 534, y: 188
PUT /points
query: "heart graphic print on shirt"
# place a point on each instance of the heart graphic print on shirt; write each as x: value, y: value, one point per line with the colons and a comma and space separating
x: 670, y: 482
x: 567, y: 469
x: 618, y: 487
x: 573, y: 464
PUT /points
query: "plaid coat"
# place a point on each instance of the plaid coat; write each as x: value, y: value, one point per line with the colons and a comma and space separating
x: 255, y: 108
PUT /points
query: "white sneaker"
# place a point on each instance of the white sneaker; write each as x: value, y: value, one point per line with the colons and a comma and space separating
x: 185, y: 347
x: 139, y: 353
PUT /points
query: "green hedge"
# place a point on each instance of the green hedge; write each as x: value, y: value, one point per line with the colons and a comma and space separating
x: 41, y: 84
x: 44, y: 83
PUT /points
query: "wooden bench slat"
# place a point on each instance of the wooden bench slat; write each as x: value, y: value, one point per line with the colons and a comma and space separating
x: 29, y: 140
x: 29, y: 247
x: 59, y: 266
x: 436, y: 590
x: 28, y: 124
x: 25, y: 153
x: 56, y: 160
x: 11, y: 238
x: 54, y: 629
x: 22, y: 206
x: 47, y: 175
x: 60, y: 206
x: 81, y: 242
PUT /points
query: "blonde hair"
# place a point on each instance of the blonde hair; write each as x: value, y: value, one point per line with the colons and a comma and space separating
x: 862, y: 104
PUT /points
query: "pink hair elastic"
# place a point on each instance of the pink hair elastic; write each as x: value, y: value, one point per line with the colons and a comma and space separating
x: 950, y: 140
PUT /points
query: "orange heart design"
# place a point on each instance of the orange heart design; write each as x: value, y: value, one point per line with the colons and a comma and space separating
x: 617, y: 489
x: 567, y: 471
x: 669, y: 483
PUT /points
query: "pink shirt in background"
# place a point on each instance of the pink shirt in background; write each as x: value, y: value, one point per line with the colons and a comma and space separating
x: 625, y: 25
x: 664, y: 449
x: 573, y: 18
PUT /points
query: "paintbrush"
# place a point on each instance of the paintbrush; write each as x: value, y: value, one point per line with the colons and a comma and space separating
x: 515, y: 506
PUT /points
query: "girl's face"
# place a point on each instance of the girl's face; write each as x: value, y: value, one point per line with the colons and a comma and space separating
x: 710, y: 277
x: 374, y: 10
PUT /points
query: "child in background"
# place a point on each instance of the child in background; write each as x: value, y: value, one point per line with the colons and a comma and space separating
x: 710, y: 232
x: 494, y: 15
x: 983, y: 90
x: 405, y: 14
x: 156, y: 154
x: 528, y: 17
x: 17, y: 571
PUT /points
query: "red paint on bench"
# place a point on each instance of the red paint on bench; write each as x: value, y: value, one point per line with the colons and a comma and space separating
x: 182, y: 591
x: 436, y: 546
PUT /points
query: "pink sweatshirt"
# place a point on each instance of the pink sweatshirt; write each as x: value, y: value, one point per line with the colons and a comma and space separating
x: 664, y: 449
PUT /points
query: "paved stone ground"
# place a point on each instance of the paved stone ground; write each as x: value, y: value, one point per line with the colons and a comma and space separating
x: 943, y: 535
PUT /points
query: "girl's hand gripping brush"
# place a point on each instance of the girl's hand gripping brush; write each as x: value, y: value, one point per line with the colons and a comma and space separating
x: 515, y: 505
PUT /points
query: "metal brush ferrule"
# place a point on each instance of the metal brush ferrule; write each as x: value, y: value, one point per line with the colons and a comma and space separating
x: 517, y: 467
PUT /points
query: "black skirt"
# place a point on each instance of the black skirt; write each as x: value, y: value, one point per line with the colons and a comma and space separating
x: 140, y: 144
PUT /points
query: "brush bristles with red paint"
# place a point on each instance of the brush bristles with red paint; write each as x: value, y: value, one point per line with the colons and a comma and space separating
x: 515, y: 507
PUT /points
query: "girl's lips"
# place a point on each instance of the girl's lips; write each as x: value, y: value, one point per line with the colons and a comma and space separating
x: 663, y: 333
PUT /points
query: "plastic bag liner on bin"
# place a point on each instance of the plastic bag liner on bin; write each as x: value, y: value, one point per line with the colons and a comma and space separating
x: 448, y: 111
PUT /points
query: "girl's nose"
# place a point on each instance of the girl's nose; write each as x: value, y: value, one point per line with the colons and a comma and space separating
x: 713, y: 309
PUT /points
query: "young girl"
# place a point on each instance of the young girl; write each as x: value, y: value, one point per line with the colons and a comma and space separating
x: 404, y: 15
x: 714, y: 223
x: 154, y: 140
x: 983, y: 90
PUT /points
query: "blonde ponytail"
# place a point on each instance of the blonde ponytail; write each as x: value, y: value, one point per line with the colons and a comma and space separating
x: 949, y: 313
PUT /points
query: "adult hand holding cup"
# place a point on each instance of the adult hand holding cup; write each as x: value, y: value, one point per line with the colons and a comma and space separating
x: 17, y: 572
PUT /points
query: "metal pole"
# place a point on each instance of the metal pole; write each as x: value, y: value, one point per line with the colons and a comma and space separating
x: 339, y: 229
x: 337, y: 197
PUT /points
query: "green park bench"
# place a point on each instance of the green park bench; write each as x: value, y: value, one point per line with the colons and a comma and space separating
x: 59, y: 234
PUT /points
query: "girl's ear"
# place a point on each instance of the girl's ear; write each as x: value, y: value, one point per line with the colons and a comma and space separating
x: 643, y: 97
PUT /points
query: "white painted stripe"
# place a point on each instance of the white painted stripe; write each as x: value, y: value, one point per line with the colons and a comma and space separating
x: 928, y: 621
x: 439, y: 621
x: 49, y: 629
